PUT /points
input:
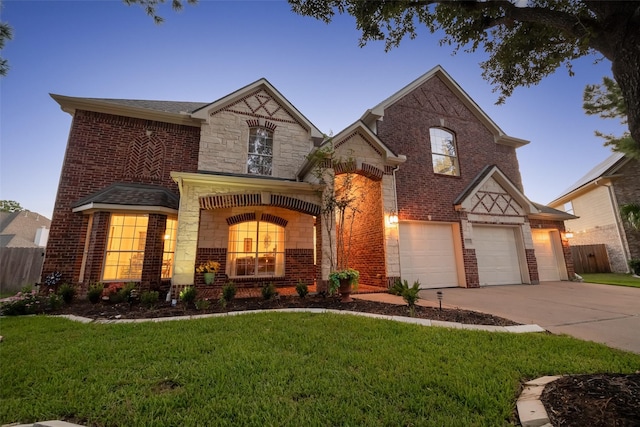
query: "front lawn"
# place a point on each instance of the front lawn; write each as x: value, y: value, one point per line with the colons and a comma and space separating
x: 612, y: 279
x: 277, y: 369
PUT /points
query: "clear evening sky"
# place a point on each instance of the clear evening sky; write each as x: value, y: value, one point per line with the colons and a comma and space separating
x: 104, y: 49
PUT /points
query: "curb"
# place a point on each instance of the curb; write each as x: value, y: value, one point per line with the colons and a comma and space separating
x: 518, y: 329
x: 531, y: 411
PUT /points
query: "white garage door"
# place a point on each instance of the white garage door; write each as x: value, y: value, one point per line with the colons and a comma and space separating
x: 427, y: 254
x: 546, y: 258
x: 497, y: 255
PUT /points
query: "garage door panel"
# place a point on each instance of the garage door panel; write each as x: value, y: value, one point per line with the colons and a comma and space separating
x: 497, y: 255
x: 427, y: 254
x: 546, y: 257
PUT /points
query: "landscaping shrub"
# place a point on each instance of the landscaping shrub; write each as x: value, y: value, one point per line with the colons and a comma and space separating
x: 269, y: 291
x: 229, y: 291
x: 30, y: 303
x: 67, y: 292
x: 634, y: 265
x: 203, y: 304
x: 94, y: 293
x: 149, y: 298
x: 188, y: 295
x: 397, y: 288
x: 302, y: 289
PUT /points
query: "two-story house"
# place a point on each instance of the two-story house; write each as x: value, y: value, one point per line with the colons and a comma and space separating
x: 151, y: 189
x: 595, y: 199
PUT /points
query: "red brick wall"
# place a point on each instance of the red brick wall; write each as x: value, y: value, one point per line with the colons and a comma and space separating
x: 627, y: 190
x: 153, y: 249
x: 97, y: 156
x: 405, y: 129
x: 532, y: 265
x: 367, y: 242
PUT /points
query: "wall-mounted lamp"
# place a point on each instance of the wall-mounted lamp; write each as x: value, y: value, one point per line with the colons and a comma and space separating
x: 568, y: 235
x: 393, y: 217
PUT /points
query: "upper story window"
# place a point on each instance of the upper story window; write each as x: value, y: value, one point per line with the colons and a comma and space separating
x: 260, y: 155
x: 568, y: 207
x: 444, y: 155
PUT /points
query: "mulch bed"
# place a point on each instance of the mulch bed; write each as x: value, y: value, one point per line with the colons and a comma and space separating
x: 601, y: 400
x: 137, y: 311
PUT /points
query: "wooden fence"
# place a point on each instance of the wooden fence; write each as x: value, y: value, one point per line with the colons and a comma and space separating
x: 590, y: 259
x: 19, y: 267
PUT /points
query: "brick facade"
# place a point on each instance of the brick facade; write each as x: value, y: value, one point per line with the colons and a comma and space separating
x: 99, y: 153
x: 627, y: 190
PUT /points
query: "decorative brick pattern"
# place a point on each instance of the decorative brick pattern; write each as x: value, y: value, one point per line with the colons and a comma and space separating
x: 97, y: 156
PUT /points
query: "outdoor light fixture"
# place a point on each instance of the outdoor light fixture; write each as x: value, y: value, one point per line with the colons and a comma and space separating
x: 568, y: 234
x: 439, y: 294
x: 393, y: 217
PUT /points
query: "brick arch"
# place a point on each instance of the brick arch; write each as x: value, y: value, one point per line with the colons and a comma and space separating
x: 251, y: 216
x: 145, y: 158
x: 366, y: 170
x: 243, y: 200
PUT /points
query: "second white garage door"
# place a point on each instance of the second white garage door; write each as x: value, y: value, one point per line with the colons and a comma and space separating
x: 545, y: 243
x: 497, y: 255
x: 428, y: 254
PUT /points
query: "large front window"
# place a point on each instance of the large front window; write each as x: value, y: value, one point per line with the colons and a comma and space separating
x: 125, y: 247
x: 443, y: 152
x: 260, y: 158
x: 255, y: 249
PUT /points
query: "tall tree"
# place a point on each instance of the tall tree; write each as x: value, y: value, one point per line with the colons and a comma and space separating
x: 10, y: 206
x: 606, y: 101
x: 526, y: 40
x: 6, y: 33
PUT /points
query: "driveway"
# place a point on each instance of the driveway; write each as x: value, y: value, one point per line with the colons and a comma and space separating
x: 600, y: 313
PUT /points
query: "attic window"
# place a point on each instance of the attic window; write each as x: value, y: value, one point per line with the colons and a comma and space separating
x: 260, y: 154
x: 444, y: 155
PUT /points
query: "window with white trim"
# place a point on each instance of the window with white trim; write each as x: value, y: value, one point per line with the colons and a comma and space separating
x: 444, y: 155
x: 125, y: 247
x: 170, y: 233
x: 260, y: 154
x: 256, y: 248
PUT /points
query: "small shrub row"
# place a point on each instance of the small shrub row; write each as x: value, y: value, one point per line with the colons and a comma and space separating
x: 408, y: 293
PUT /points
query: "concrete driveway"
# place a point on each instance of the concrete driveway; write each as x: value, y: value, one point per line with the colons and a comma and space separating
x: 600, y: 313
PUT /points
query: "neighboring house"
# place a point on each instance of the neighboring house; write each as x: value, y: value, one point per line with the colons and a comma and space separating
x: 23, y: 229
x: 23, y: 237
x: 151, y: 189
x: 596, y: 199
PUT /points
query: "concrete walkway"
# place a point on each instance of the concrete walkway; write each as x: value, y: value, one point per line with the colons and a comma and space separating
x: 602, y: 313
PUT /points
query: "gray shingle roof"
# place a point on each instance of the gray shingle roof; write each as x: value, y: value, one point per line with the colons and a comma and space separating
x: 132, y: 195
x: 176, y: 107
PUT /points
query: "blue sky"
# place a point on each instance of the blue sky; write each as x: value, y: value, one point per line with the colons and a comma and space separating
x: 108, y: 50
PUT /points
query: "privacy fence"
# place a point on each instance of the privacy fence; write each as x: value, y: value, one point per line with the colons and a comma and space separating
x: 19, y: 267
x: 590, y: 259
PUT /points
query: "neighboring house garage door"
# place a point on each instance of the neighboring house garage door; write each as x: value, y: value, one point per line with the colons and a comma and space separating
x: 497, y: 255
x: 427, y: 254
x: 544, y: 244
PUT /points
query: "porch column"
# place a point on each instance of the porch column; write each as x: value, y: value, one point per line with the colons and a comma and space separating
x: 154, y: 247
x: 187, y: 237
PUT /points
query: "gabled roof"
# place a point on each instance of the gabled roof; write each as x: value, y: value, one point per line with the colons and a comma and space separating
x: 387, y: 154
x: 129, y: 197
x: 202, y: 112
x: 603, y: 170
x: 377, y: 112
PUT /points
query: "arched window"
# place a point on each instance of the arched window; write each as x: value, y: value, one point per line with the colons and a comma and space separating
x: 260, y: 154
x: 444, y: 155
x: 256, y: 248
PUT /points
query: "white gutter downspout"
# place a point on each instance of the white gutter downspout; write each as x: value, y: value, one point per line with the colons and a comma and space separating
x: 619, y: 226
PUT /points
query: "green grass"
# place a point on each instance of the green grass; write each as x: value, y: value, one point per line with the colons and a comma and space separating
x: 279, y: 369
x: 612, y: 279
